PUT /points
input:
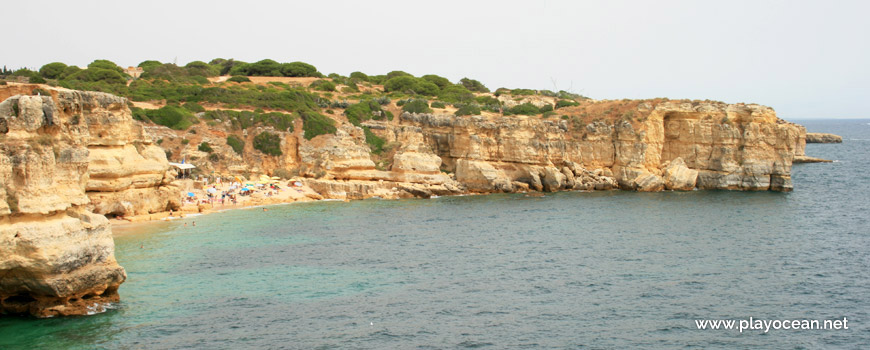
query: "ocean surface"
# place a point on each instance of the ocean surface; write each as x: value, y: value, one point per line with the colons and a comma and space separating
x: 601, y: 270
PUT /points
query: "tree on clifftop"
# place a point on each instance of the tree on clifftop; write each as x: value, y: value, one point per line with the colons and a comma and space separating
x: 473, y: 85
x: 52, y: 70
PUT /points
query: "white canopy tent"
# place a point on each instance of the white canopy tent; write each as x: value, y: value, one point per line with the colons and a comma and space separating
x: 183, y: 168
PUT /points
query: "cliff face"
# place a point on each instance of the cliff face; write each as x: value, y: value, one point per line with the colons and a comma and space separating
x: 712, y: 145
x: 648, y: 145
x: 65, y: 157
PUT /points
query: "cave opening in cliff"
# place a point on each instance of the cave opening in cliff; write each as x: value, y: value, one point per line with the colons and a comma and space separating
x: 20, y: 299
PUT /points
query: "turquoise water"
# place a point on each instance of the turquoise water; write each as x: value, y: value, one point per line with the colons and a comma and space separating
x: 568, y: 270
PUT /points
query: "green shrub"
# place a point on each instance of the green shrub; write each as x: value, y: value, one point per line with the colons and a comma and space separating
x: 105, y: 64
x: 173, y: 73
x: 417, y: 106
x: 376, y: 144
x: 52, y: 70
x: 522, y: 92
x: 271, y: 68
x: 193, y: 107
x: 439, y: 81
x: 149, y: 64
x: 214, y: 157
x: 290, y: 99
x: 377, y: 79
x: 570, y: 96
x: 268, y: 143
x: 323, y: 85
x: 140, y: 115
x: 455, y: 94
x: 205, y: 147
x: 246, y: 119
x: 160, y: 141
x: 501, y: 91
x: 172, y: 116
x: 411, y: 85
x: 400, y: 83
x: 383, y: 100
x: 487, y: 100
x: 548, y: 114
x: 364, y: 110
x: 299, y: 69
x: 438, y: 104
x: 315, y: 124
x: 566, y: 103
x: 467, y: 110
x: 266, y: 67
x: 350, y: 88
x: 200, y: 68
x: 236, y: 144
x: 547, y: 108
x: 473, y: 85
x: 524, y: 109
x: 239, y: 79
x: 397, y: 73
x: 185, y: 141
x: 225, y: 65
x: 359, y: 76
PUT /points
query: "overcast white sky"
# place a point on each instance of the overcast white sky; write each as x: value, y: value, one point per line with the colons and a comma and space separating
x: 806, y: 59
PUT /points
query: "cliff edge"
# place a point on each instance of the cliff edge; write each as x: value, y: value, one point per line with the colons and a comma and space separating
x: 65, y: 158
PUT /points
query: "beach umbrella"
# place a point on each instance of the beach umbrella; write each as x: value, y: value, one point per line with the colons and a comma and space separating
x: 276, y: 178
x: 297, y: 184
x: 212, y: 190
x: 190, y: 194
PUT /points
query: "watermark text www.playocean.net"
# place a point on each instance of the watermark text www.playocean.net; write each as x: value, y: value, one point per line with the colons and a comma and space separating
x: 753, y: 324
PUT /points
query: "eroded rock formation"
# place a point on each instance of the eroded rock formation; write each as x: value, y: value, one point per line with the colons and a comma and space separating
x: 65, y: 157
x: 818, y: 137
x: 648, y: 145
x: 709, y: 145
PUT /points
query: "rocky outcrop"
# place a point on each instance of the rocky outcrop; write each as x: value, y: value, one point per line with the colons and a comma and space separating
x: 640, y: 145
x: 818, y: 137
x: 57, y: 257
x: 65, y: 157
x: 677, y: 176
x: 342, y: 167
x: 736, y: 147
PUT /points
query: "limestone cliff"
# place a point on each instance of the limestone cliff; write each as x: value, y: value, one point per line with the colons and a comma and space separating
x: 735, y: 147
x: 643, y: 145
x: 65, y: 157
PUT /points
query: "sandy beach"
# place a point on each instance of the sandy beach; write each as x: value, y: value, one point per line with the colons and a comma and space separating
x: 285, y: 191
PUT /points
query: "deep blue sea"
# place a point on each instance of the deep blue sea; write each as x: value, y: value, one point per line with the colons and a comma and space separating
x: 601, y: 270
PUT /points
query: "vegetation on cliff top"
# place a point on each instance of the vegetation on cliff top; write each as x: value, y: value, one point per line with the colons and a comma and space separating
x: 190, y: 94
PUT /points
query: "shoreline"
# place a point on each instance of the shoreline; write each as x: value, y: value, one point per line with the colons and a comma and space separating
x: 286, y: 195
